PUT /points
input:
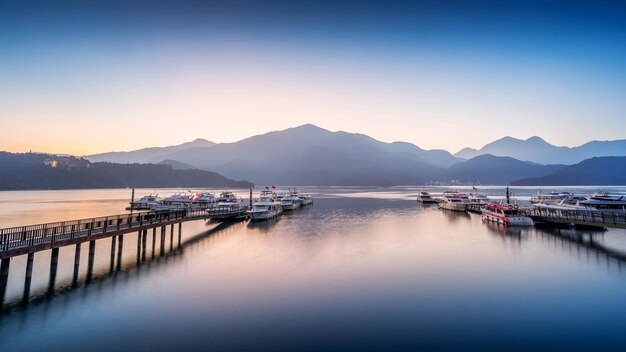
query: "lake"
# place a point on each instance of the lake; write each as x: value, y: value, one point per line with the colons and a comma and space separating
x: 362, y: 268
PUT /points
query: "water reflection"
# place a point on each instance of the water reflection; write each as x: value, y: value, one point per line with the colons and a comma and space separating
x: 347, y: 273
x: 143, y: 265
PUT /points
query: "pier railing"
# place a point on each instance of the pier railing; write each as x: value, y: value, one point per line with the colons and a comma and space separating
x: 85, y: 229
x: 581, y: 217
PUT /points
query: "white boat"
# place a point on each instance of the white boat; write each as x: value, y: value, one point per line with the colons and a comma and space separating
x: 227, y: 206
x: 478, y: 199
x: 227, y: 196
x: 605, y: 203
x: 205, y: 199
x: 268, y: 206
x: 177, y: 201
x: 290, y: 202
x: 425, y: 198
x: 507, y: 215
x: 551, y: 197
x: 146, y: 202
x: 454, y: 201
x: 305, y: 199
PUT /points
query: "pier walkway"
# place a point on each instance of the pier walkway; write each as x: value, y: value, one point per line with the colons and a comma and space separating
x: 591, y: 218
x: 30, y: 239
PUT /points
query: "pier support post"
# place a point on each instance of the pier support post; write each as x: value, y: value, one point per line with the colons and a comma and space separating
x: 180, y: 228
x: 143, y: 244
x: 139, y: 234
x: 28, y: 277
x: 162, y: 240
x: 120, y: 247
x: 76, y: 264
x: 153, y: 241
x: 172, y: 238
x: 4, y: 277
x: 54, y: 262
x: 113, y: 240
x: 92, y: 254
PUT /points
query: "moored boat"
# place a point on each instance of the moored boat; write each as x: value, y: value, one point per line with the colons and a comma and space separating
x: 290, y: 201
x: 425, y: 198
x: 605, y: 203
x: 454, y: 201
x: 305, y: 199
x: 506, y: 214
x: 268, y: 206
x: 550, y: 197
x: 146, y: 202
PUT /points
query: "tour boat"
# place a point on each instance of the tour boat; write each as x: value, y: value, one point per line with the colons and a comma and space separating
x: 479, y: 199
x: 145, y: 202
x: 551, y: 197
x: 205, y: 199
x: 227, y: 197
x: 178, y: 201
x: 268, y: 206
x: 290, y: 201
x: 507, y: 215
x: 454, y: 201
x: 228, y: 205
x: 305, y: 199
x: 424, y: 197
x: 606, y: 203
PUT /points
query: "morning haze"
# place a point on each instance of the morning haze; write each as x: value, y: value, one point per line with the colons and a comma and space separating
x: 237, y: 175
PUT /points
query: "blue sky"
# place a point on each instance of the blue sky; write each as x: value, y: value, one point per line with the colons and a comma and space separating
x: 438, y: 74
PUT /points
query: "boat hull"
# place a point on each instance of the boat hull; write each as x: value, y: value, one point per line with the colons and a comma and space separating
x: 292, y: 206
x: 461, y: 207
x: 508, y: 220
x: 427, y: 200
x: 263, y: 215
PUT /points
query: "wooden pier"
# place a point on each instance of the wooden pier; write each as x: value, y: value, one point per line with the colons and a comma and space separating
x: 590, y: 218
x: 27, y: 240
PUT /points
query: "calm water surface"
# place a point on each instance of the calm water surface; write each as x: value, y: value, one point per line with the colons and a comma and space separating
x: 363, y: 268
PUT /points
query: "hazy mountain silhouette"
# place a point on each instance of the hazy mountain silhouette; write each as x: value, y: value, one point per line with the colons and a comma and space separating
x: 539, y: 151
x: 43, y: 171
x: 599, y: 171
x: 146, y: 154
x: 497, y: 170
x: 311, y: 155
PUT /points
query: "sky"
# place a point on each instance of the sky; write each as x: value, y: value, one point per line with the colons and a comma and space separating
x: 82, y: 77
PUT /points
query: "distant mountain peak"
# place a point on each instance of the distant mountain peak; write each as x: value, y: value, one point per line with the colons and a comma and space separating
x: 536, y: 149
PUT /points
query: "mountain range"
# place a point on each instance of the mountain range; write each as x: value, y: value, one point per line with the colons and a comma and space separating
x: 310, y: 155
x: 45, y: 171
x: 598, y: 171
x: 537, y: 150
x: 146, y: 155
